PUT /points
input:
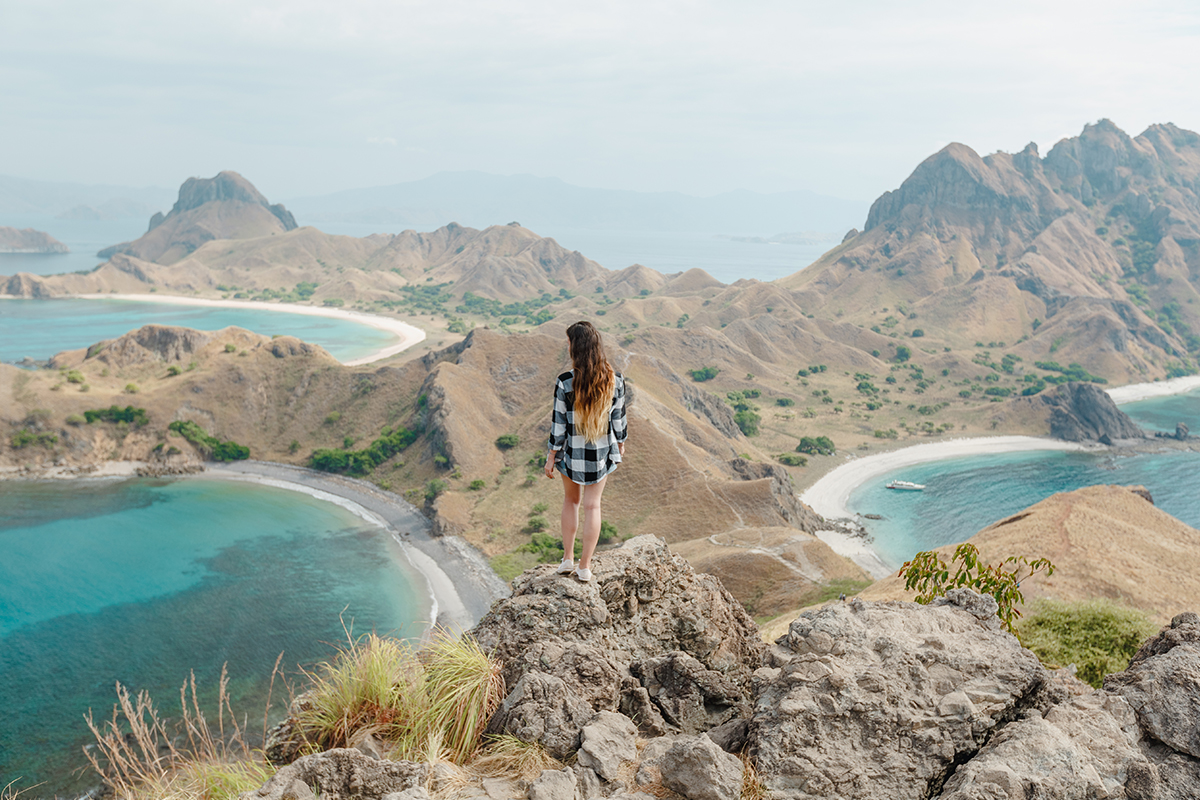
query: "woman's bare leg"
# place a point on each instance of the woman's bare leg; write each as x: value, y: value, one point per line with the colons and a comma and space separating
x: 591, y: 520
x: 570, y: 516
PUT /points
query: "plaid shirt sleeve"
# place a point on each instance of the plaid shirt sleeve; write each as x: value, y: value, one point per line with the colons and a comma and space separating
x: 558, y: 425
x: 617, y: 416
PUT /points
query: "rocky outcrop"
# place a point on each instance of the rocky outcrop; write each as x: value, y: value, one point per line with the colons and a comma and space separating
x: 647, y: 636
x: 28, y: 240
x: 341, y: 774
x: 150, y: 343
x: 885, y: 700
x: 1083, y: 412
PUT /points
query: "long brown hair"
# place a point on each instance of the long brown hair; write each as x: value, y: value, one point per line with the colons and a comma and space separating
x: 593, y: 382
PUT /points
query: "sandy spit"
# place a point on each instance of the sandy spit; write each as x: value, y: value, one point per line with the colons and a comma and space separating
x: 408, y: 334
x: 461, y: 582
x: 1144, y: 391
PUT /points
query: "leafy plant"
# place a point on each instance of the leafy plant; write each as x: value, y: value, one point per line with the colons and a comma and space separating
x: 362, y: 462
x: 218, y: 449
x: 930, y: 577
x: 536, y: 525
x: 792, y: 460
x: 704, y: 374
x: 477, y: 484
x: 816, y: 445
x: 608, y: 532
x: 747, y: 421
x: 128, y: 414
x: 507, y: 441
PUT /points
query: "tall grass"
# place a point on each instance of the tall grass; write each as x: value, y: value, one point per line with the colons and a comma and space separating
x: 429, y: 705
x: 143, y: 756
x: 508, y: 756
x: 1097, y: 636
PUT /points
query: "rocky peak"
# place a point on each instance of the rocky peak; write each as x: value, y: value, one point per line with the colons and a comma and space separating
x: 224, y: 187
x: 1083, y: 412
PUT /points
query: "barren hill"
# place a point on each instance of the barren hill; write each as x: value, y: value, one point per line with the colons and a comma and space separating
x: 223, y: 207
x: 27, y: 240
x: 1092, y: 252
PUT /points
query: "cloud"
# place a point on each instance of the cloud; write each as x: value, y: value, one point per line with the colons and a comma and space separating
x: 382, y: 140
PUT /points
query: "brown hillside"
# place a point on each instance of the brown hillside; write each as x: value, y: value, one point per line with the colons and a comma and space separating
x: 1092, y: 253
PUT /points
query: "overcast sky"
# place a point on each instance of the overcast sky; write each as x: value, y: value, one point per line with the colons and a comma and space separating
x: 701, y: 97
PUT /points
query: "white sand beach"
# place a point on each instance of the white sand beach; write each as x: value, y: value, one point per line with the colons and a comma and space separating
x: 1144, y: 391
x: 408, y: 334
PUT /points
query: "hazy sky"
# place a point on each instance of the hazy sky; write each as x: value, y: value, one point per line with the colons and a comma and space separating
x: 305, y: 98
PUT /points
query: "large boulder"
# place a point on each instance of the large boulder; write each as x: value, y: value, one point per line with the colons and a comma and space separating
x: 568, y: 647
x: 885, y: 700
x: 341, y: 774
x: 1083, y: 412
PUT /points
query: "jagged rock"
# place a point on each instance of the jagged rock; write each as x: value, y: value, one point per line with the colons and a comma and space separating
x: 503, y: 789
x: 286, y: 346
x: 588, y: 782
x: 643, y: 602
x: 607, y: 743
x: 1181, y: 431
x: 1178, y: 774
x: 850, y: 234
x: 1083, y: 412
x: 540, y: 708
x: 731, y: 736
x: 1084, y: 748
x: 648, y: 773
x: 982, y: 607
x: 1184, y: 629
x: 553, y: 784
x: 882, y: 700
x: 341, y: 774
x: 1164, y: 689
x: 700, y: 770
x: 150, y: 344
x: 691, y: 698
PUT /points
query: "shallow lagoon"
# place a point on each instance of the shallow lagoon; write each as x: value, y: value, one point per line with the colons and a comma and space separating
x: 40, y: 328
x: 142, y: 581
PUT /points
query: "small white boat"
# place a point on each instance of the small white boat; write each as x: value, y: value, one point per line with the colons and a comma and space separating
x: 906, y: 486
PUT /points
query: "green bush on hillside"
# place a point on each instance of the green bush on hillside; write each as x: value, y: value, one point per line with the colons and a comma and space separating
x: 747, y: 421
x: 1097, y: 636
x: 704, y: 374
x: 792, y: 460
x: 128, y: 414
x: 507, y: 441
x: 214, y: 448
x: 816, y: 445
x: 361, y: 462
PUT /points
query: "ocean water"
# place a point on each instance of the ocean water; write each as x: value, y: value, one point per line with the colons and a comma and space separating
x: 84, y: 237
x: 964, y: 495
x: 40, y: 328
x: 145, y: 581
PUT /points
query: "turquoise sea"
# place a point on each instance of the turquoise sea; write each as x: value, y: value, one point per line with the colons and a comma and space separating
x: 143, y: 581
x: 40, y: 328
x: 964, y: 495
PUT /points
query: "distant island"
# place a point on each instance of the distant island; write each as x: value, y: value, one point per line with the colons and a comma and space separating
x: 27, y: 240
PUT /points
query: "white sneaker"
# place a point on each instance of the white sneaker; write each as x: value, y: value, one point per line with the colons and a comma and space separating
x: 566, y: 567
x: 583, y: 575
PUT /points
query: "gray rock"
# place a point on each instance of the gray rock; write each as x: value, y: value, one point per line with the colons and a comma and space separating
x: 980, y: 606
x: 584, y: 669
x: 652, y: 752
x: 1086, y: 748
x: 1184, y: 628
x: 731, y: 736
x: 1178, y: 774
x: 553, y: 784
x: 415, y: 793
x: 608, y: 742
x: 503, y: 789
x: 884, y: 700
x: 700, y: 770
x: 541, y: 709
x: 1083, y: 412
x: 1165, y: 691
x: 1181, y: 431
x: 691, y: 698
x: 588, y: 783
x: 340, y: 774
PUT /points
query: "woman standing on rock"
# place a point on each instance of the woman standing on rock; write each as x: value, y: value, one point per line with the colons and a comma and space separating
x: 587, y: 440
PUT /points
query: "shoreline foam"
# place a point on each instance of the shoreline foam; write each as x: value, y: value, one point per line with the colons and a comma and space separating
x: 1131, y: 393
x: 408, y: 334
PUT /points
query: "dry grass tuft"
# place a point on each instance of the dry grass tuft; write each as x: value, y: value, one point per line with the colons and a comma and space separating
x: 753, y: 786
x: 430, y: 705
x: 510, y: 757
x: 141, y: 756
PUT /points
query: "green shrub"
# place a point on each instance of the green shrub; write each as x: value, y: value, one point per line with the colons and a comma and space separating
x: 792, y: 460
x: 74, y: 376
x: 477, y: 484
x: 362, y: 462
x: 128, y: 414
x: 507, y: 441
x: 890, y: 433
x: 608, y: 532
x: 230, y: 347
x: 747, y: 421
x: 539, y: 508
x: 333, y: 417
x: 25, y: 437
x: 704, y: 374
x: 903, y: 353
x: 536, y: 525
x: 1097, y: 636
x: 173, y: 370
x: 334, y: 302
x: 76, y: 419
x: 784, y: 402
x: 217, y: 449
x: 816, y: 445
x: 434, y: 488
x: 917, y: 333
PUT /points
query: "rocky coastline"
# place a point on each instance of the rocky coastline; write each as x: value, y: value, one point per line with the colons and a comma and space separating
x: 654, y: 680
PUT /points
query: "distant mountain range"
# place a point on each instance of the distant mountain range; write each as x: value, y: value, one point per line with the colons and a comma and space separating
x: 80, y: 201
x: 479, y: 199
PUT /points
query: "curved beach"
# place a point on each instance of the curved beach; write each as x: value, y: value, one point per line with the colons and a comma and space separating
x: 461, y: 583
x: 408, y: 334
